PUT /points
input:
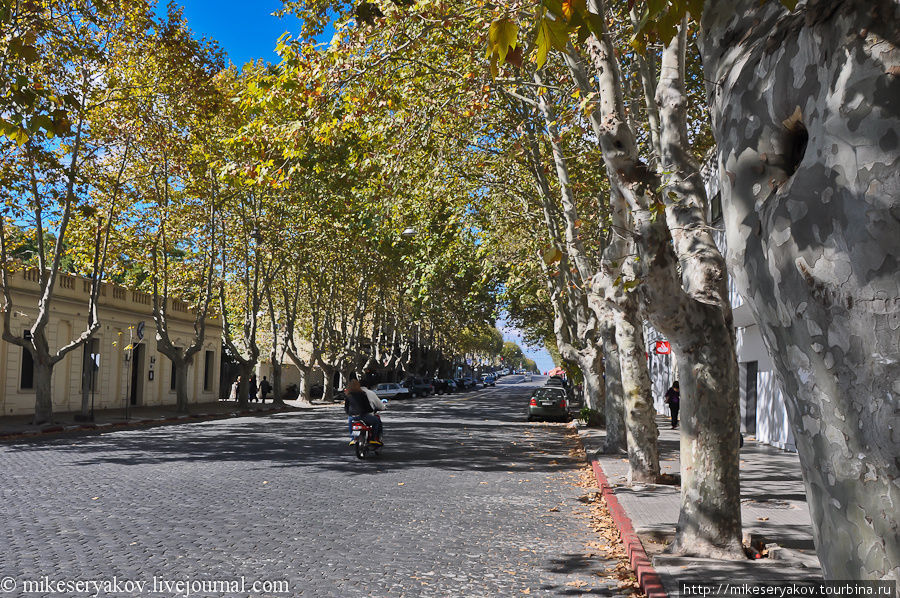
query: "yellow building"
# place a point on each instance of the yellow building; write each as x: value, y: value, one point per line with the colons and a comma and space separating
x: 139, y: 377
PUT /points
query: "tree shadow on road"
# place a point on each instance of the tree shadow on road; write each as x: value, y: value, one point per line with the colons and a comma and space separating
x: 454, y: 437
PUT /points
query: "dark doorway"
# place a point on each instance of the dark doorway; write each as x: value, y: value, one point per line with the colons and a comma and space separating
x: 90, y: 364
x: 229, y: 370
x: 752, y: 368
x: 137, y: 375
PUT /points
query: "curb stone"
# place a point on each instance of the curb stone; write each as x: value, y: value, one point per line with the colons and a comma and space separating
x: 648, y: 578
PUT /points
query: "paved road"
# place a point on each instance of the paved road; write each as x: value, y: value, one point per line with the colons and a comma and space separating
x: 467, y: 500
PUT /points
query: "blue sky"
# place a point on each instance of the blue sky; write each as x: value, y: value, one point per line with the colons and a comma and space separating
x: 539, y: 354
x: 246, y: 30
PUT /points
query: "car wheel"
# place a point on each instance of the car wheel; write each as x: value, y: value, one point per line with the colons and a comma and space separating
x: 530, y: 418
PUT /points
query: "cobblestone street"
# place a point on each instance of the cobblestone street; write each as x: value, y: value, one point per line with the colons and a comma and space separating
x: 466, y: 500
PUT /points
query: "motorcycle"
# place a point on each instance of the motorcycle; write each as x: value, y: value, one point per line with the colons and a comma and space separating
x: 364, y: 439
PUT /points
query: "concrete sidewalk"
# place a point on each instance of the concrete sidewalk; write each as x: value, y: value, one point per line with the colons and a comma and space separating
x: 20, y: 426
x: 773, y: 507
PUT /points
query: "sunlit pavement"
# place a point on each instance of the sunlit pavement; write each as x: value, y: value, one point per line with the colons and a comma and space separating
x: 466, y: 500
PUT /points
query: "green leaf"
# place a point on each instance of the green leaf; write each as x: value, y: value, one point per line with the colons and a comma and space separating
x: 695, y: 8
x: 554, y: 6
x: 551, y: 34
x: 20, y: 136
x: 552, y: 255
x: 501, y: 38
x: 667, y: 25
x: 559, y: 36
x: 543, y: 43
x: 656, y: 7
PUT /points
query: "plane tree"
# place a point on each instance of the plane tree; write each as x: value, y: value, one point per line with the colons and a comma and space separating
x: 63, y: 158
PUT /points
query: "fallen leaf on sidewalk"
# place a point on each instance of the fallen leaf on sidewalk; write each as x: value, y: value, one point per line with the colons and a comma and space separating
x: 762, y: 518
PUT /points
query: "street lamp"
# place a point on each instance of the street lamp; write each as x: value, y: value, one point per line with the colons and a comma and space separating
x: 409, y: 232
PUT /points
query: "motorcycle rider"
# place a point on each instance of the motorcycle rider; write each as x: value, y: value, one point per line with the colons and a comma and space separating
x: 357, y: 405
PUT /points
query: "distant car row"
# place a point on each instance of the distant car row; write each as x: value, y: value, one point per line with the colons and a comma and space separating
x: 422, y: 387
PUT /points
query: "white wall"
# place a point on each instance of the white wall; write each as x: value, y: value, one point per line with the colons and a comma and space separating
x: 772, y: 425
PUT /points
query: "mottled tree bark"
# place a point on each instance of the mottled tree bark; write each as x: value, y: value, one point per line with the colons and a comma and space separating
x: 615, y: 405
x: 640, y: 417
x: 691, y: 309
x: 807, y: 121
x: 694, y: 313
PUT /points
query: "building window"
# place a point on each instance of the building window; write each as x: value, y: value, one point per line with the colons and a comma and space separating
x: 208, y: 370
x: 27, y: 373
x: 715, y: 208
x: 172, y: 378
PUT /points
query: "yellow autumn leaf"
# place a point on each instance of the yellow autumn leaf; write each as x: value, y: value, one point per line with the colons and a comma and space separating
x: 501, y: 38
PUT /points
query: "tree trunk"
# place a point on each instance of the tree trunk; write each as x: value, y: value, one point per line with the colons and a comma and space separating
x: 244, y: 387
x: 640, y: 418
x: 43, y: 400
x: 87, y: 377
x: 615, y: 405
x: 806, y: 118
x: 591, y: 365
x: 328, y: 382
x: 276, y: 383
x: 710, y: 439
x: 306, y: 383
x: 181, y: 386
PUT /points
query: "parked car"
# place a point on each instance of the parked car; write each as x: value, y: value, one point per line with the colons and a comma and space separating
x: 464, y: 383
x: 559, y: 382
x: 418, y: 387
x: 443, y: 385
x: 549, y: 402
x: 391, y: 390
x: 489, y: 380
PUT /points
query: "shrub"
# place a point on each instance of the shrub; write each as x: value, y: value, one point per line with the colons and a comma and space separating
x: 591, y: 417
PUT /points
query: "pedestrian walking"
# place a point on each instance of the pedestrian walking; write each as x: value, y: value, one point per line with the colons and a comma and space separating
x: 673, y: 399
x: 253, y: 388
x: 236, y: 389
x: 265, y: 388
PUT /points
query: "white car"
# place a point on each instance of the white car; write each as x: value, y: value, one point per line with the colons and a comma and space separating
x: 391, y: 390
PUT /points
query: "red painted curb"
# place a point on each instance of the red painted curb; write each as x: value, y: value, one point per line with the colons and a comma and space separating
x: 647, y: 576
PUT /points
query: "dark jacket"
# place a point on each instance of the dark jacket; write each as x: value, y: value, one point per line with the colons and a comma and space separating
x: 673, y: 397
x: 357, y: 403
